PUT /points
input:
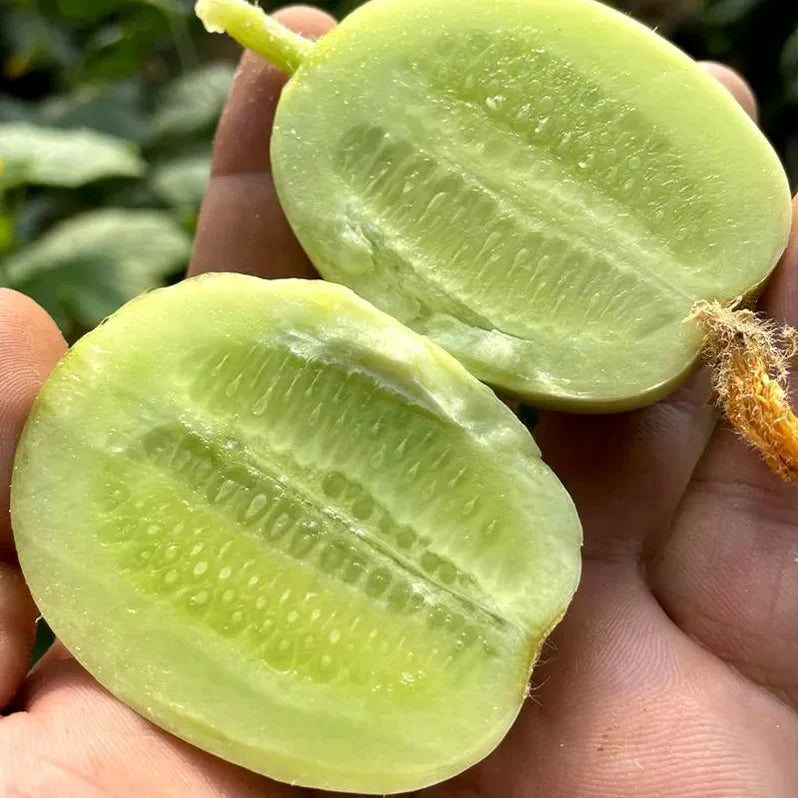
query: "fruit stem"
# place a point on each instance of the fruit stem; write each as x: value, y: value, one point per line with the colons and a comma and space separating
x: 253, y: 28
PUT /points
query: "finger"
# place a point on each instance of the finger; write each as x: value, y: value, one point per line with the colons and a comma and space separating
x: 17, y: 631
x: 627, y: 472
x: 728, y: 575
x: 75, y: 739
x: 736, y: 84
x: 241, y: 226
x: 30, y: 345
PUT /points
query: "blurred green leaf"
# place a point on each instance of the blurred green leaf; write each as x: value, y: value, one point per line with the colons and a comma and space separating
x: 117, y: 110
x: 194, y: 101
x: 85, y: 268
x: 14, y: 170
x: 181, y: 182
x: 38, y: 212
x: 69, y: 158
x: 12, y: 110
x: 125, y: 44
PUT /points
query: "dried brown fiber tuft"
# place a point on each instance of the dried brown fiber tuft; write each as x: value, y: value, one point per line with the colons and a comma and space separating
x: 749, y: 358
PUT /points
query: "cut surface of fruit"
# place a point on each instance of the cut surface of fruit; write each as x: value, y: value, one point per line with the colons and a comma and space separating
x: 544, y: 187
x: 290, y: 530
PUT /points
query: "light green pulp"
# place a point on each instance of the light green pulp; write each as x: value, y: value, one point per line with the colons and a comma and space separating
x: 291, y: 531
x: 544, y: 187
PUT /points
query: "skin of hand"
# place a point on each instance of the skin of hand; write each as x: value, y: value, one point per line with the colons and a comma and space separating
x: 674, y: 673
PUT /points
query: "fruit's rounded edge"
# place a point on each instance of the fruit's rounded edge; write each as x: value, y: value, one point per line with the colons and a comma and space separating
x: 592, y: 407
x: 176, y: 723
x: 560, y: 401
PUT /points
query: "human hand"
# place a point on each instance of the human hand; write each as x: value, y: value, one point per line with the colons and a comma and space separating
x: 675, y: 672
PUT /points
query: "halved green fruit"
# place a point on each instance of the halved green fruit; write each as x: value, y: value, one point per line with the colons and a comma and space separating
x: 288, y: 529
x: 544, y: 187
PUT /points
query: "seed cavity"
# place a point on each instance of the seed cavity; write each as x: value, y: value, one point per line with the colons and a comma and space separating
x: 257, y: 527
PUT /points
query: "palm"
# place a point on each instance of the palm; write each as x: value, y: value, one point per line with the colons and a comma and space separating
x: 674, y: 673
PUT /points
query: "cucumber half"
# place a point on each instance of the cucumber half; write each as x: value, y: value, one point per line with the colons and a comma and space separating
x: 293, y: 532
x: 544, y: 187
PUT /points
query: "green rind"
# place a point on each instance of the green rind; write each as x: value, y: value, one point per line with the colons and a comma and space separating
x: 382, y: 114
x: 93, y: 450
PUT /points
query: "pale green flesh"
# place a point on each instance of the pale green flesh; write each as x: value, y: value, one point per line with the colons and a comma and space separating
x: 291, y: 531
x: 544, y: 187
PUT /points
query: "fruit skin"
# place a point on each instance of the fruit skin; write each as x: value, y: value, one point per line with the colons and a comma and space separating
x: 91, y: 494
x: 693, y: 204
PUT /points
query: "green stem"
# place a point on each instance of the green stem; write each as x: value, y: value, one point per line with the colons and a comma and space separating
x: 255, y: 30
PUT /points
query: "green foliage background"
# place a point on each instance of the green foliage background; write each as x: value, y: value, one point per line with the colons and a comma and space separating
x: 107, y: 111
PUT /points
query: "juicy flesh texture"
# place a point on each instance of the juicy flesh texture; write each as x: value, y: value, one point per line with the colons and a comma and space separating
x: 291, y: 531
x: 544, y: 187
